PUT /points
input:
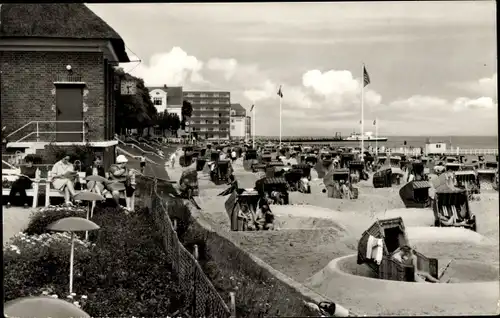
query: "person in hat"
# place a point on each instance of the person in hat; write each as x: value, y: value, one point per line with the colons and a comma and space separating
x: 120, y: 174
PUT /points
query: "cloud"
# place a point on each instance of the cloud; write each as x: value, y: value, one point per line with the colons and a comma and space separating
x: 486, y: 86
x: 171, y: 68
x: 323, y: 102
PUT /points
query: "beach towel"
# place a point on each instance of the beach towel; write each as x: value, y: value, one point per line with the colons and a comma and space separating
x: 375, y: 249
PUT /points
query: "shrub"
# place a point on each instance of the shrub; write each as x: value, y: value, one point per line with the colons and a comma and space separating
x: 128, y: 268
x: 41, y: 218
x: 84, y: 153
x: 122, y: 273
x: 31, y: 263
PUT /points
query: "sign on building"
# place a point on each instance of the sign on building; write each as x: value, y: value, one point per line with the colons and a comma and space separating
x: 128, y: 87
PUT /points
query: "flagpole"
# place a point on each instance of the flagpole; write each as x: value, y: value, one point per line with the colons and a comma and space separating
x: 280, y: 114
x: 362, y: 108
x: 376, y: 136
x: 253, y: 126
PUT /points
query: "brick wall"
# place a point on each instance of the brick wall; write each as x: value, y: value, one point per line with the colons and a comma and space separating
x: 27, y: 84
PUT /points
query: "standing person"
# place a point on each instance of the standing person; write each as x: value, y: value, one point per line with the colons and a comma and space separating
x: 143, y: 162
x: 24, y: 183
x: 172, y: 158
x: 119, y: 176
x: 63, y: 178
x: 233, y: 155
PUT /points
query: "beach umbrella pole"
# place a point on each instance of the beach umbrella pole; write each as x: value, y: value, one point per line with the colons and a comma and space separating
x: 71, y: 260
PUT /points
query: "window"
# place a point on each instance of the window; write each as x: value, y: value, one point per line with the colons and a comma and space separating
x: 203, y: 101
x: 216, y: 94
x: 157, y: 93
x: 438, y: 146
x: 210, y: 129
x: 157, y: 101
x: 233, y: 112
x: 232, y: 120
x: 216, y: 101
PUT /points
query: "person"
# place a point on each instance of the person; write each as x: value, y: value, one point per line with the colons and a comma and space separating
x: 119, y: 176
x: 346, y: 191
x: 264, y: 218
x: 233, y: 155
x: 24, y: 183
x: 222, y: 155
x: 143, y: 162
x: 160, y: 153
x: 248, y: 218
x: 406, y: 255
x: 64, y: 178
x: 96, y: 169
x: 173, y: 156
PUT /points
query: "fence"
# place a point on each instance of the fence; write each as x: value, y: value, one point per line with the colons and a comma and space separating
x: 202, y: 298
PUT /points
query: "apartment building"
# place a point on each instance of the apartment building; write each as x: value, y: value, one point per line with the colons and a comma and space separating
x: 167, y: 99
x: 211, y: 113
x: 238, y: 115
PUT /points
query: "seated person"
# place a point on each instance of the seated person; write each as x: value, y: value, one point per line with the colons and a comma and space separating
x: 24, y: 183
x: 64, y: 178
x: 248, y: 218
x: 120, y: 176
x: 96, y: 169
x: 406, y: 255
x: 264, y: 218
x: 277, y: 197
x: 304, y: 184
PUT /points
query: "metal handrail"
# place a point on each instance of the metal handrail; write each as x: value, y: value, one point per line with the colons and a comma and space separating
x: 135, y: 157
x: 38, y: 122
x: 139, y: 148
x: 8, y: 164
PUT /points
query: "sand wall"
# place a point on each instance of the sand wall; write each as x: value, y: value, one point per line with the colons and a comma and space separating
x: 285, y: 297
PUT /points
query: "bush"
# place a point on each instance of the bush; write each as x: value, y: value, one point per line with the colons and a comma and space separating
x: 84, y: 153
x: 32, y: 263
x: 40, y: 219
x: 122, y: 273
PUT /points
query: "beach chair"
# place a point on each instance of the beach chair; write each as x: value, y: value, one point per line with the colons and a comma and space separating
x: 293, y: 177
x: 188, y: 184
x: 222, y: 172
x: 234, y: 203
x: 468, y: 180
x: 383, y: 178
x: 391, y: 234
x: 270, y: 185
x: 357, y: 168
x: 415, y: 194
x: 451, y: 208
x: 332, y: 182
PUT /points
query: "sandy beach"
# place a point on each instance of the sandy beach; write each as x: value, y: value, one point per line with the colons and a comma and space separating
x: 317, y: 237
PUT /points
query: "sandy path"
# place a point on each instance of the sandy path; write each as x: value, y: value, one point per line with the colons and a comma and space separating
x: 15, y: 219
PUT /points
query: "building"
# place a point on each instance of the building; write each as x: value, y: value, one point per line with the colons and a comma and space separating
x: 435, y: 148
x: 248, y: 128
x: 167, y: 99
x: 238, y: 121
x: 57, y: 81
x: 211, y: 113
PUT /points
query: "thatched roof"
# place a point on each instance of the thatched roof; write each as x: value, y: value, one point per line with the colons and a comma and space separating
x: 61, y: 20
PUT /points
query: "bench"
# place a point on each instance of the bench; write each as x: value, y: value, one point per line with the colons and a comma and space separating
x: 12, y: 175
x: 50, y: 192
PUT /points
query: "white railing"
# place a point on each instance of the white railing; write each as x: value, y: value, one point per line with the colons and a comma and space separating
x: 138, y: 148
x: 125, y: 152
x: 38, y: 132
x: 8, y: 164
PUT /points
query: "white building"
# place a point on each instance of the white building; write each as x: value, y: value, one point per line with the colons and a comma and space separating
x: 167, y: 99
x: 238, y: 122
x: 435, y: 148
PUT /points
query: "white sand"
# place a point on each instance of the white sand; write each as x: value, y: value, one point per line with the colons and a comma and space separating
x: 380, y: 297
x: 310, y: 239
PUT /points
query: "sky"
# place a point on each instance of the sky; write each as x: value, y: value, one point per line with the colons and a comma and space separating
x: 432, y: 65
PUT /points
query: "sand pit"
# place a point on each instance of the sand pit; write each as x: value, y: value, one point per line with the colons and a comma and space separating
x: 445, y: 235
x: 459, y: 271
x: 382, y: 297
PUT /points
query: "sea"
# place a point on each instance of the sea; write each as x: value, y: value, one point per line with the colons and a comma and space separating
x: 464, y: 142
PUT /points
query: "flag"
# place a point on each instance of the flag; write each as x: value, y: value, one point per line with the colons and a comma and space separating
x: 374, y: 122
x: 280, y: 93
x: 366, y: 77
x: 251, y: 108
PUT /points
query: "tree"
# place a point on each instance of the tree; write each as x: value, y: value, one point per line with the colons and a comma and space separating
x: 166, y: 121
x: 134, y: 111
x: 186, y: 112
x: 174, y: 123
